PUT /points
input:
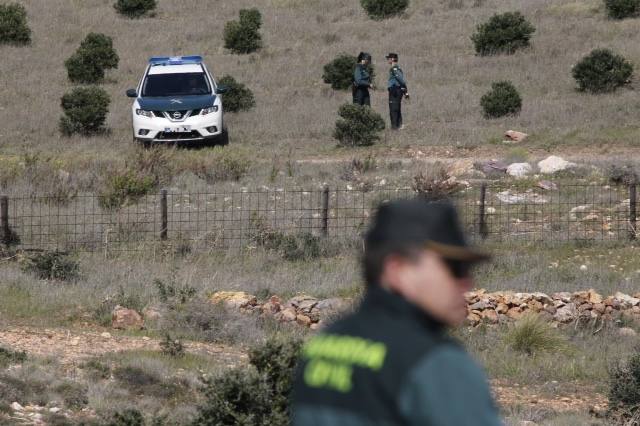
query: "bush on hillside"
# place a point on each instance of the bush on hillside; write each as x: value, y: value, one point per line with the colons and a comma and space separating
x: 238, y: 97
x: 242, y: 36
x: 52, y: 265
x: 602, y: 71
x: 95, y: 55
x: 503, y: 99
x: 339, y: 72
x: 135, y: 8
x: 532, y: 334
x: 620, y: 9
x: 258, y: 395
x: 435, y: 184
x: 125, y: 188
x: 13, y: 24
x: 85, y: 111
x: 624, y: 389
x: 358, y: 125
x: 381, y: 9
x: 503, y: 33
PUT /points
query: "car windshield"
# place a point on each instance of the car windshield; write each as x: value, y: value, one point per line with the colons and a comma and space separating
x: 182, y: 84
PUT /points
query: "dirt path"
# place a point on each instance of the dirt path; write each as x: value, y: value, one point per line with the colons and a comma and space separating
x: 71, y: 347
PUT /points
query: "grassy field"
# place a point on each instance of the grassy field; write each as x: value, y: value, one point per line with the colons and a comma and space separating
x: 295, y: 110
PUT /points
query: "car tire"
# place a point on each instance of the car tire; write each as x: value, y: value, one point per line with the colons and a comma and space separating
x: 223, y: 139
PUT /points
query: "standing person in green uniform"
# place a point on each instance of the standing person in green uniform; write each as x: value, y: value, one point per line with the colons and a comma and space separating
x: 397, y: 87
x: 362, y: 80
x: 391, y: 362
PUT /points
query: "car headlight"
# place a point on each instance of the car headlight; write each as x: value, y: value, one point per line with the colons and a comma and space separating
x: 144, y: 112
x: 209, y: 110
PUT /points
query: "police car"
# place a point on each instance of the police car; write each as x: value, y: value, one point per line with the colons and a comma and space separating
x: 177, y: 100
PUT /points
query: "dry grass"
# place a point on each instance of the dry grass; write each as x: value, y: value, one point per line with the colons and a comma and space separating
x: 294, y: 108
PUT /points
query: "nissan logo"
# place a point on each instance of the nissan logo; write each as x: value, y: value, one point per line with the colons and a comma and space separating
x: 177, y: 115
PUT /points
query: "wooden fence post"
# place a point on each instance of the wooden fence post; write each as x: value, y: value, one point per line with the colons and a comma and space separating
x: 484, y: 231
x: 325, y: 211
x: 5, y: 231
x: 632, y: 211
x: 164, y: 221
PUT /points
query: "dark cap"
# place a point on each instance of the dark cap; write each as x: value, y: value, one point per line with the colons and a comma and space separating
x: 420, y: 223
x: 393, y: 56
x: 364, y: 55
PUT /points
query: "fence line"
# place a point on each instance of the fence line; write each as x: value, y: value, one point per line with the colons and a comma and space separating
x: 232, y: 219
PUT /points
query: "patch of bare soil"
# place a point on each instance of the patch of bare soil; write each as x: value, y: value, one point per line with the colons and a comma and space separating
x: 71, y: 347
x: 553, y: 397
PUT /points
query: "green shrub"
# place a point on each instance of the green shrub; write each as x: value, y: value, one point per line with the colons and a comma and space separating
x: 358, y: 125
x: 624, y: 388
x: 339, y: 72
x: 257, y: 395
x: 620, y: 9
x: 172, y: 347
x: 503, y: 99
x: 602, y: 71
x: 381, y: 9
x: 238, y: 97
x: 52, y: 265
x: 242, y: 36
x: 85, y: 111
x: 125, y: 188
x: 128, y: 417
x: 102, y: 314
x: 13, y: 24
x: 503, y: 33
x: 8, y: 357
x: 435, y: 185
x: 95, y: 55
x: 623, y: 175
x: 174, y: 294
x: 73, y: 394
x: 228, y: 165
x: 135, y: 8
x: 532, y: 334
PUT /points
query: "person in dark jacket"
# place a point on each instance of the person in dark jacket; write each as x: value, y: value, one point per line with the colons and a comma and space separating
x: 397, y: 86
x: 391, y: 361
x: 362, y: 80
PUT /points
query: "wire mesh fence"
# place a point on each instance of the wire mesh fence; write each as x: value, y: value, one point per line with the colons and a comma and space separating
x: 208, y: 221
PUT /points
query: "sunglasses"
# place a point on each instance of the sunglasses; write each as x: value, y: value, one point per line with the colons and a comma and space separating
x: 459, y: 268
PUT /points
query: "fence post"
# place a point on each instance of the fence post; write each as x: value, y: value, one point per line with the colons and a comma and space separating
x: 164, y: 222
x: 484, y: 232
x: 5, y: 232
x: 325, y: 210
x: 632, y: 211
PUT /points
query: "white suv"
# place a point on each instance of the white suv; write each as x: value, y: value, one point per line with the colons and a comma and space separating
x: 178, y: 100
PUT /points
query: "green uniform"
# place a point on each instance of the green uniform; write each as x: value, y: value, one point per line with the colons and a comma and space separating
x: 389, y: 364
x: 397, y: 87
x: 361, y: 83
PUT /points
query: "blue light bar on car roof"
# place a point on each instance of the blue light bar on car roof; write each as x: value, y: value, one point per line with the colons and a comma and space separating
x: 175, y: 60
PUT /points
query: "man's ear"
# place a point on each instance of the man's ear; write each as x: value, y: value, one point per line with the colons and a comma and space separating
x: 392, y: 272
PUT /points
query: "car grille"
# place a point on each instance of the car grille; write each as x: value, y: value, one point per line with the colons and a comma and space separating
x: 158, y: 114
x: 195, y: 112
x: 178, y: 135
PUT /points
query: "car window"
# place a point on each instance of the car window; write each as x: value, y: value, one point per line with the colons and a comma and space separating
x: 182, y: 84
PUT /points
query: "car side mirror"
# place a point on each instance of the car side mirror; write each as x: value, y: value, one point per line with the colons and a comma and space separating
x: 132, y: 93
x: 221, y: 89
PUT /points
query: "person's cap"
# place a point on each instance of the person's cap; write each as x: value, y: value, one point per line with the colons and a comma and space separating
x: 420, y: 223
x: 392, y: 56
x: 363, y: 56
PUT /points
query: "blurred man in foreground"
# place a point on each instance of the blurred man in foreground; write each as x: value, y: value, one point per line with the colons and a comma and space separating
x: 391, y: 362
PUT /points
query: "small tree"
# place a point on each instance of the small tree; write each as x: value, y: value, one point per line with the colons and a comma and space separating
x: 135, y: 8
x: 624, y: 389
x: 503, y: 99
x: 93, y: 57
x: 238, y: 97
x: 381, y: 9
x: 602, y: 71
x: 620, y: 9
x: 85, y: 111
x: 358, y: 125
x: 339, y: 72
x: 242, y: 36
x: 503, y: 33
x: 13, y: 24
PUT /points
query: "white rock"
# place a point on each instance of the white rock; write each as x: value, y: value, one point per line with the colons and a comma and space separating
x: 16, y: 406
x: 626, y: 299
x: 554, y: 164
x: 583, y: 267
x: 519, y: 170
x: 54, y: 410
x: 106, y: 335
x: 627, y: 332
